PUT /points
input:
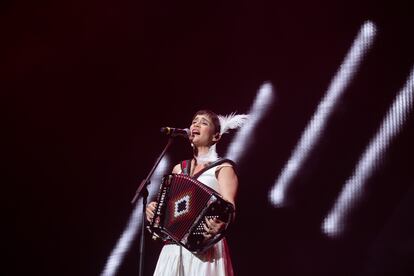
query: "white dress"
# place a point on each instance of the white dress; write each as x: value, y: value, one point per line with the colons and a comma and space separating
x: 214, y: 262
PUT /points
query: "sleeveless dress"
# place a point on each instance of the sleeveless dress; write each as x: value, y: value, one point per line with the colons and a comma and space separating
x: 175, y: 260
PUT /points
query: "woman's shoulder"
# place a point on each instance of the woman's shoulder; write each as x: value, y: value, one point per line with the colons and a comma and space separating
x: 226, y: 165
x: 177, y: 168
x: 225, y: 162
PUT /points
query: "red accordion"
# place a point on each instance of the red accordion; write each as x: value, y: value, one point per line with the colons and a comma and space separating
x: 183, y: 203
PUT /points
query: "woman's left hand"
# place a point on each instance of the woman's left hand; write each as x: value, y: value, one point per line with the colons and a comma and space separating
x: 212, y: 227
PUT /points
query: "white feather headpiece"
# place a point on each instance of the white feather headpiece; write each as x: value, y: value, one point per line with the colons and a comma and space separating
x: 231, y: 121
x: 227, y: 122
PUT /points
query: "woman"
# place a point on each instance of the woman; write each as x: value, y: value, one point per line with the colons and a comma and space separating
x: 205, y: 131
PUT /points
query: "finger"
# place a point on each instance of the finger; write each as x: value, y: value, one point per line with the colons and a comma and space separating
x: 217, y: 221
x: 150, y: 211
x: 207, y: 235
x: 214, y: 226
x: 206, y: 228
x: 218, y: 224
x: 209, y: 223
x: 152, y: 206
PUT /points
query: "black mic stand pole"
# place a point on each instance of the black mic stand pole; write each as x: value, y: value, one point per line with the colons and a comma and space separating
x: 143, y: 191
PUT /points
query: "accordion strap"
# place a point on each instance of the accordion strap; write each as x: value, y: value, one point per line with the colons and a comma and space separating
x: 186, y: 166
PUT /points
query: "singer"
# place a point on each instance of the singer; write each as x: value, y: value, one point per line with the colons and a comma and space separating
x: 206, y: 130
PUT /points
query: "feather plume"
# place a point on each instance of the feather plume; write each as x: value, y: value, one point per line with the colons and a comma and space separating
x: 231, y: 121
x: 211, y: 156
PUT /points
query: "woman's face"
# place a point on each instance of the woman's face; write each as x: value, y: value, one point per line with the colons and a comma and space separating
x: 202, y: 131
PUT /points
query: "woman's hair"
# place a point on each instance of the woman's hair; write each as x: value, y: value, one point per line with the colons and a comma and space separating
x: 213, y: 116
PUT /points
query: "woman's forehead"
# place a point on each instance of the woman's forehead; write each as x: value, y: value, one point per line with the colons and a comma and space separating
x: 202, y: 116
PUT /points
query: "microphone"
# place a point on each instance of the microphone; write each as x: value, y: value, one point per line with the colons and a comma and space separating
x: 174, y: 132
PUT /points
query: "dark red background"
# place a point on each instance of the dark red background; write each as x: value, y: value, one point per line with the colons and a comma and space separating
x: 86, y: 85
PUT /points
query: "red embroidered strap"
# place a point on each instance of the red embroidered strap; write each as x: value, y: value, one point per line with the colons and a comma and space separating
x: 185, y: 167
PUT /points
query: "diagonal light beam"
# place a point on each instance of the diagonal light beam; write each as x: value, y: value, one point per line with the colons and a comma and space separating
x: 261, y: 105
x: 134, y: 224
x: 316, y: 125
x: 371, y: 159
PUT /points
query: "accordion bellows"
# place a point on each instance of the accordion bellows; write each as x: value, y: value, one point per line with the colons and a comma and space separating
x: 183, y: 205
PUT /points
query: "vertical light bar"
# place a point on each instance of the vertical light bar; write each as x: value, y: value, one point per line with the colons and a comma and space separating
x: 259, y: 108
x: 134, y: 224
x: 317, y: 124
x: 393, y: 122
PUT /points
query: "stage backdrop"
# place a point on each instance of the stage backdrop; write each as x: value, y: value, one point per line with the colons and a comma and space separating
x: 325, y: 163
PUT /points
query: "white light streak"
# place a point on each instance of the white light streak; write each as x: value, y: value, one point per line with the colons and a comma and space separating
x: 317, y: 124
x: 260, y: 107
x: 134, y: 223
x: 395, y: 118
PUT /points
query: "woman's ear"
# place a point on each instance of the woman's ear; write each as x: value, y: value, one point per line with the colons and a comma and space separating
x: 216, y: 137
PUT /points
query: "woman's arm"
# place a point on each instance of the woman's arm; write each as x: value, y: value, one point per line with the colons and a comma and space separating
x: 228, y: 183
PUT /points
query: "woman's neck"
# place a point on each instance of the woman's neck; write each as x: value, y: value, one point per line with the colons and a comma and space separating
x: 201, y: 151
x: 204, y: 155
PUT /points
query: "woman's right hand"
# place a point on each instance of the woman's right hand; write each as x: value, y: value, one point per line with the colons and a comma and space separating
x: 150, y: 210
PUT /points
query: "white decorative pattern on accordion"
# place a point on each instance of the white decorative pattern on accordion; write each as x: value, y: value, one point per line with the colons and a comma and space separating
x: 182, y: 206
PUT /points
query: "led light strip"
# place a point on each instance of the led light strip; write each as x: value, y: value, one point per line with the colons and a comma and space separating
x: 316, y: 125
x: 260, y: 107
x: 396, y: 116
x: 134, y: 223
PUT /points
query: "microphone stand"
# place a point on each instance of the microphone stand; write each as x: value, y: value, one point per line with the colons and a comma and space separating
x: 143, y: 191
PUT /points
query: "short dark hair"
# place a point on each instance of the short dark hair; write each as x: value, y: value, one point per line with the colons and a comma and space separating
x: 213, y: 116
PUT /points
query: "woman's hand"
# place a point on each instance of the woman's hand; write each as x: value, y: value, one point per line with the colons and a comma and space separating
x: 150, y: 210
x: 212, y: 227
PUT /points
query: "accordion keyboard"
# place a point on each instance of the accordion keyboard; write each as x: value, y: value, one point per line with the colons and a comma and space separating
x: 199, y: 230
